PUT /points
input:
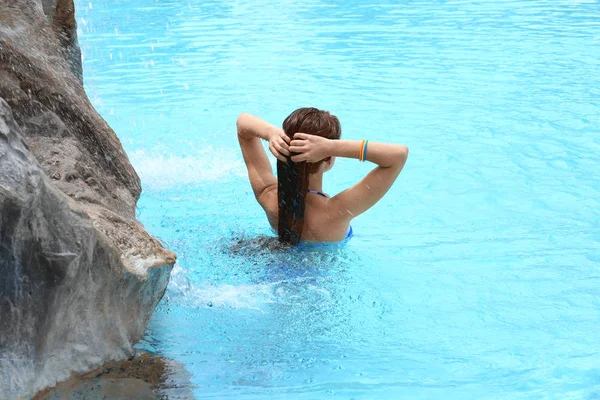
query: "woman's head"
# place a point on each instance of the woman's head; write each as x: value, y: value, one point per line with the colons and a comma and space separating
x: 313, y: 121
x: 293, y: 177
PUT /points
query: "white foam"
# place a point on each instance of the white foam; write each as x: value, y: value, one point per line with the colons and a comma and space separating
x: 251, y: 296
x: 206, y: 294
x: 160, y: 171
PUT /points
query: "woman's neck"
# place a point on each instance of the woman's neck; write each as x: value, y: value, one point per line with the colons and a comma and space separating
x: 315, y: 182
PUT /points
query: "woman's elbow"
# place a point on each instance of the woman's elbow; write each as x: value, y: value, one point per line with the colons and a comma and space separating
x: 401, y: 154
x: 240, y: 120
x: 404, y: 151
x: 242, y: 124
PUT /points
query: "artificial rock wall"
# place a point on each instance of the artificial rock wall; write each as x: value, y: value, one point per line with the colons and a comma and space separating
x: 79, y: 275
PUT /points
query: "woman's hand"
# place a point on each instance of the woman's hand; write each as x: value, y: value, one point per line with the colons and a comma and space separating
x: 310, y: 148
x: 279, y: 145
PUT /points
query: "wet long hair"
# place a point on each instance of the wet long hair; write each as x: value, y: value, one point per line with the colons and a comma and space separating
x: 292, y: 178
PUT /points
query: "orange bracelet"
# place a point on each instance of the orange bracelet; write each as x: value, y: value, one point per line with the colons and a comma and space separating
x: 361, y: 154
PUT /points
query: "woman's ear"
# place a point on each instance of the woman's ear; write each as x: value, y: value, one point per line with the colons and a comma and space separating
x: 329, y: 163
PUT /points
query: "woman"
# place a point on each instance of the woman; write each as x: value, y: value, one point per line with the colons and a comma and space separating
x: 306, y: 148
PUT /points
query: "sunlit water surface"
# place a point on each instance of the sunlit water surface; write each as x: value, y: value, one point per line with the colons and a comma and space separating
x: 477, y: 277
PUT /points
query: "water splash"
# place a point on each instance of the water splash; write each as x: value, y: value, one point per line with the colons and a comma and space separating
x: 161, y: 171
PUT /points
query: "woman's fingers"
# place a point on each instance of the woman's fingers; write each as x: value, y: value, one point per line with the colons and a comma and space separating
x: 296, y: 142
x: 282, y: 149
x: 276, y: 153
x: 285, y: 137
x: 283, y: 144
x: 300, y: 158
x: 272, y: 150
x: 300, y: 135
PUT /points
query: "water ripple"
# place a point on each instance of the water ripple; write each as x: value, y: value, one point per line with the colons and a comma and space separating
x: 476, y: 277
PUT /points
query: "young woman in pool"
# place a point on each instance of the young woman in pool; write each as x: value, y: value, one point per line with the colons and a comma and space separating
x: 305, y: 149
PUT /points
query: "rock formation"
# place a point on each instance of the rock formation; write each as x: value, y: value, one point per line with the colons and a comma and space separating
x: 79, y: 275
x: 145, y: 376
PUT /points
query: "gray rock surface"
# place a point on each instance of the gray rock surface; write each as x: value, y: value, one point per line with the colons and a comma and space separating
x: 79, y: 275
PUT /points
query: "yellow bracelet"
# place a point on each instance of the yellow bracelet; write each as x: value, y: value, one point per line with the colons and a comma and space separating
x: 361, y: 154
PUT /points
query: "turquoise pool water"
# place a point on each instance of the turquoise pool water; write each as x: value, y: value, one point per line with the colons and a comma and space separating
x: 475, y: 278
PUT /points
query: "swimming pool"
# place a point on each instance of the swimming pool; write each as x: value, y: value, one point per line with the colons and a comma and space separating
x: 476, y: 277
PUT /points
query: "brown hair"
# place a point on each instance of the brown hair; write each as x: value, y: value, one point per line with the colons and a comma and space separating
x: 292, y: 178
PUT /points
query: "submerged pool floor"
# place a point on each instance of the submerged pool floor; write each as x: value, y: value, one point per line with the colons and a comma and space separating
x: 475, y: 278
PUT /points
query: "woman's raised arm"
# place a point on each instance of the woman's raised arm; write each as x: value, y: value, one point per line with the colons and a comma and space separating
x: 250, y: 129
x: 390, y: 159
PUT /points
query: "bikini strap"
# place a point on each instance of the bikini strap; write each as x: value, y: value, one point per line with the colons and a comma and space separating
x: 317, y: 192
